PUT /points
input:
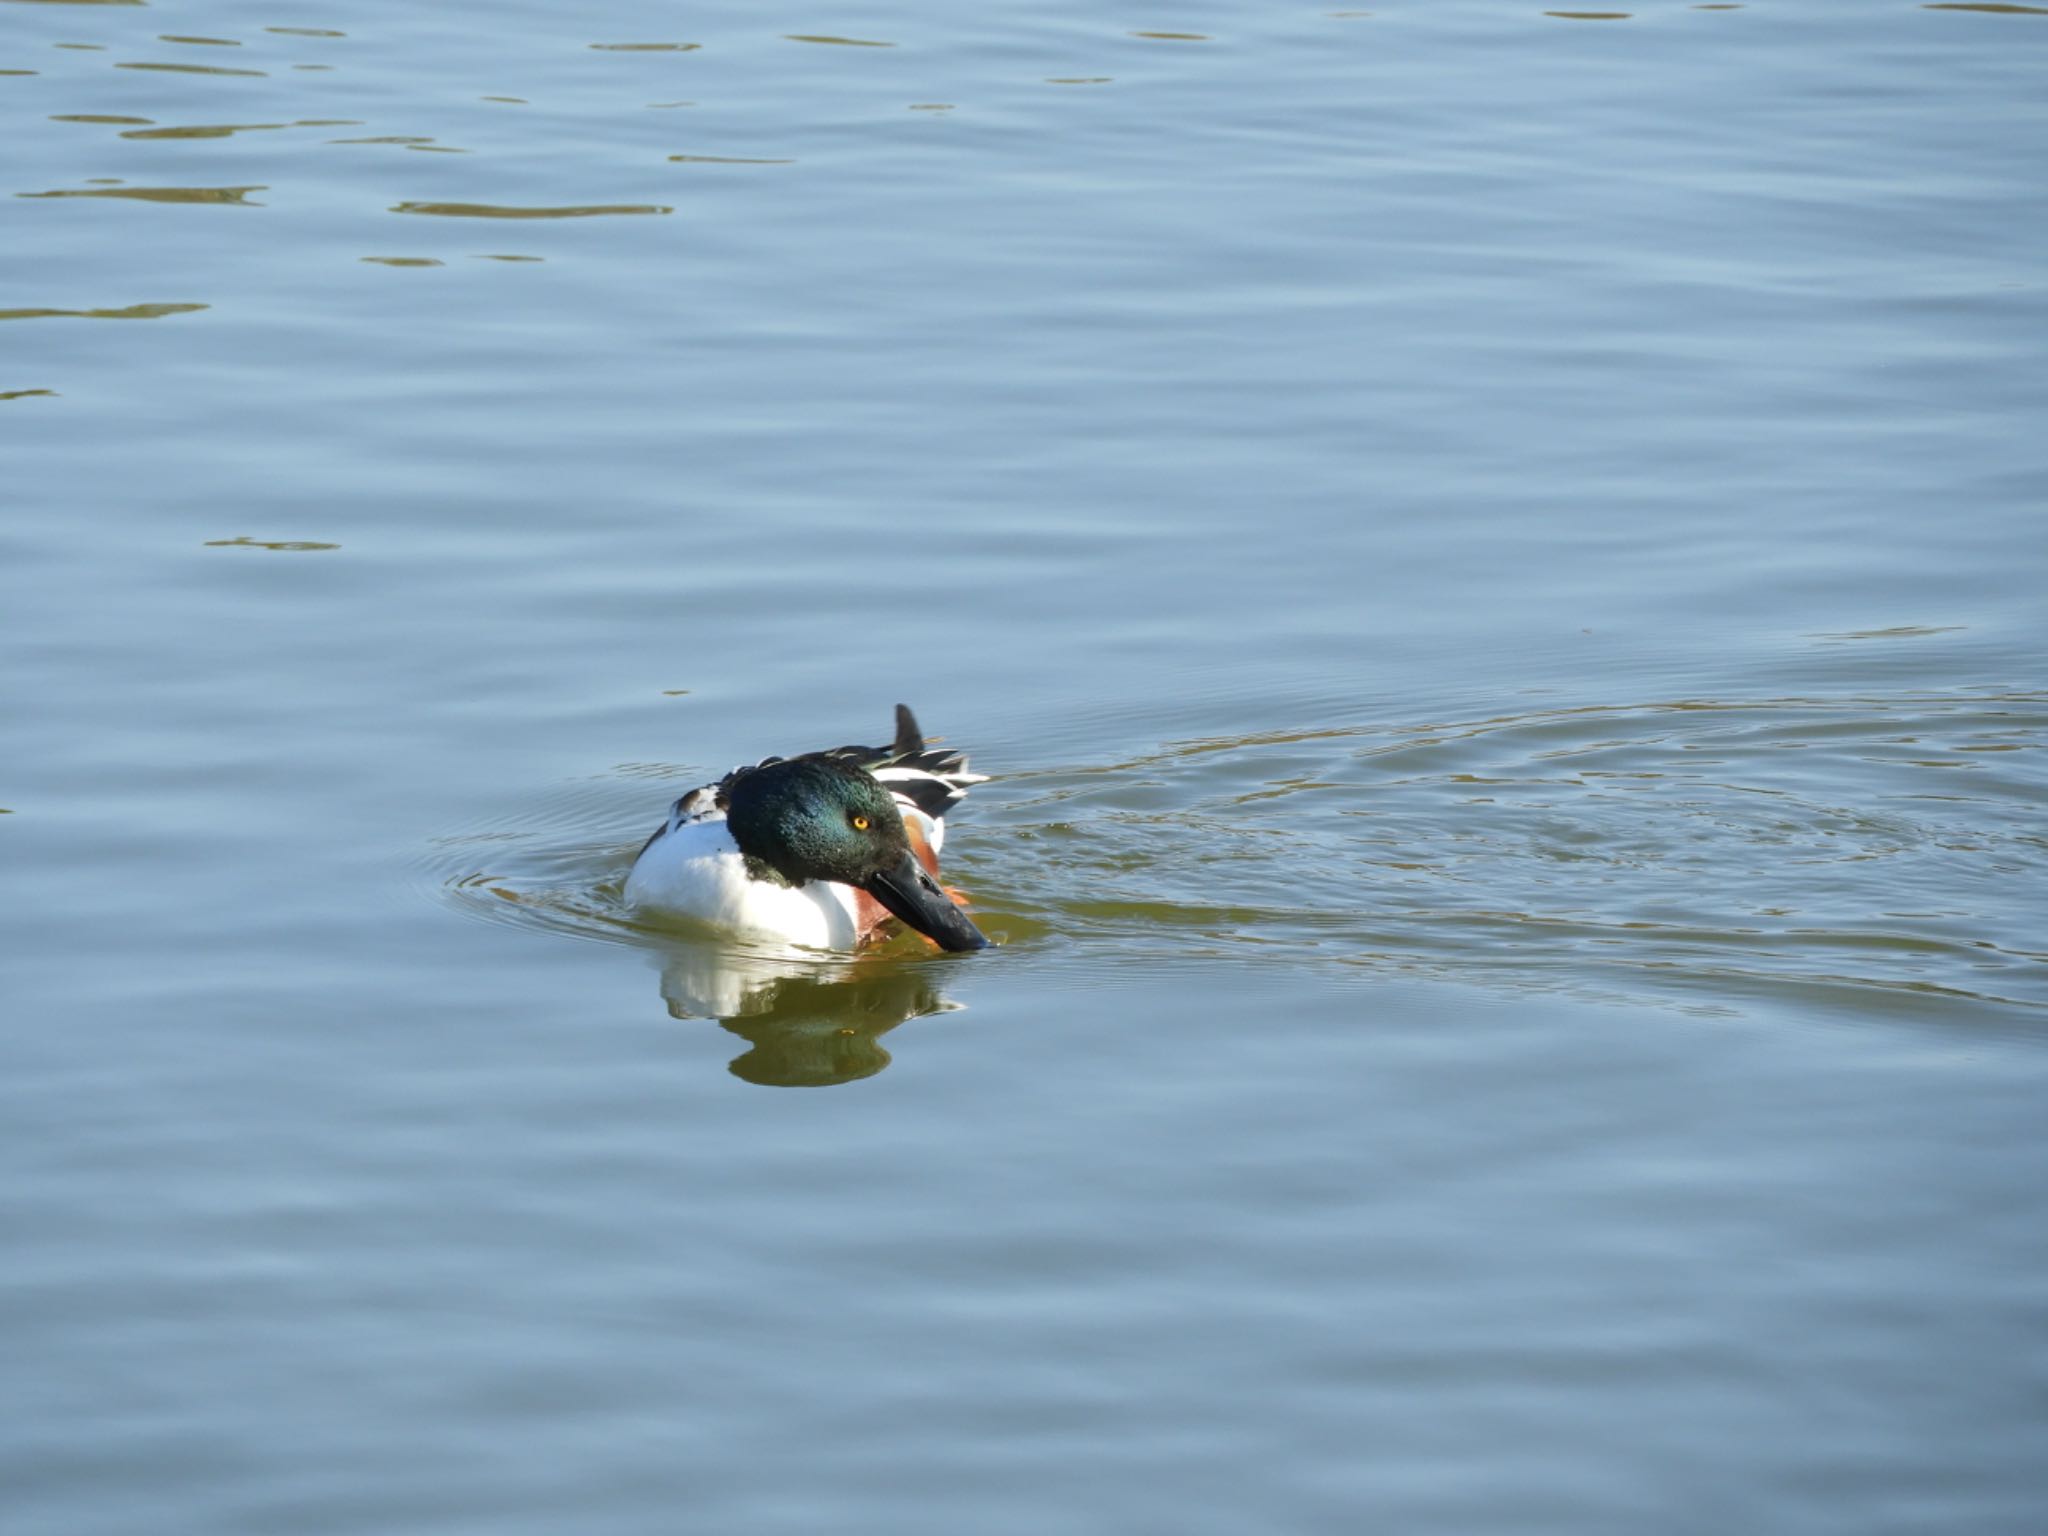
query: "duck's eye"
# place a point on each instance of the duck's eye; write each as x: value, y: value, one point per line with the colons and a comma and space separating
x: 860, y: 822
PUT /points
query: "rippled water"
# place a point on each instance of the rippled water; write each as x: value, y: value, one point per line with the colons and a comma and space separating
x: 1836, y: 851
x: 1494, y: 557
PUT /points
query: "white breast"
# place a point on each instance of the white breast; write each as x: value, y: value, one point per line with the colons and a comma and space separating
x: 696, y: 871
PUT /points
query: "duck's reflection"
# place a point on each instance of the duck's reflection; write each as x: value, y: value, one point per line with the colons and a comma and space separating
x: 807, y: 1024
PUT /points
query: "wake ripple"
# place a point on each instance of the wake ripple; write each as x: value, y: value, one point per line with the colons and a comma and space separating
x: 1878, y: 852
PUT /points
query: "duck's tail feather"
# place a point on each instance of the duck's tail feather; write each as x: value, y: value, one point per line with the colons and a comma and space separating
x: 909, y: 739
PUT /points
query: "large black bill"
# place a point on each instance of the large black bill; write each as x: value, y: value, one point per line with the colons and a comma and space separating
x: 911, y: 894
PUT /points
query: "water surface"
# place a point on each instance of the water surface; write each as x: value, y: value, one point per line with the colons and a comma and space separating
x: 1495, y: 557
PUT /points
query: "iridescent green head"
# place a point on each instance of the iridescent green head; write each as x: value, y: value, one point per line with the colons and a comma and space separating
x: 817, y: 818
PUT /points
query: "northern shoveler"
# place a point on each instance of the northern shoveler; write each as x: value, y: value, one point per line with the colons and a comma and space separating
x: 818, y: 850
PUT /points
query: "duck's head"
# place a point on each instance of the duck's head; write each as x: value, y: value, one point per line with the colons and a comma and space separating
x: 814, y: 818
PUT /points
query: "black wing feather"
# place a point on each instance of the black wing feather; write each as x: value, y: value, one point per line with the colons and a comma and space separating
x: 943, y: 775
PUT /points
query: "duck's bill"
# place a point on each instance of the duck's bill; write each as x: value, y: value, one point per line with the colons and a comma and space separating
x: 914, y: 896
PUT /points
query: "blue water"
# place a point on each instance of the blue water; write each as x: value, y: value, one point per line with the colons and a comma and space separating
x: 1495, y: 559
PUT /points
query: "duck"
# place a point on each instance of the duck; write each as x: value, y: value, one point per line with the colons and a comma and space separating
x: 819, y: 851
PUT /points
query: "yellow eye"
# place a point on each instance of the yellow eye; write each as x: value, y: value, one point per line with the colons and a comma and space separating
x: 860, y: 823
